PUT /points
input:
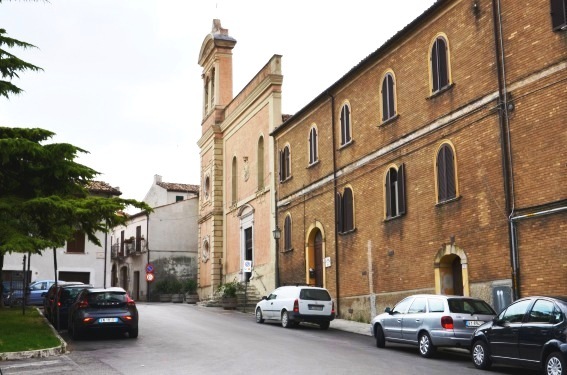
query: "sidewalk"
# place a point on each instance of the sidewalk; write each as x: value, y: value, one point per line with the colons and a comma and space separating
x: 351, y: 326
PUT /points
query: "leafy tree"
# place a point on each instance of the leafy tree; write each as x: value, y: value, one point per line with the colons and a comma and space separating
x: 10, y: 65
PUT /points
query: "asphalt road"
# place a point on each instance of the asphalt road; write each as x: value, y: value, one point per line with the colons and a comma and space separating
x: 189, y: 339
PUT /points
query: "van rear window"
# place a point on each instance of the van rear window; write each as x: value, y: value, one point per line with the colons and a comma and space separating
x: 315, y: 295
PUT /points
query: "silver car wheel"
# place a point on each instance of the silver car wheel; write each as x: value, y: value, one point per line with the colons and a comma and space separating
x: 478, y: 355
x: 554, y: 366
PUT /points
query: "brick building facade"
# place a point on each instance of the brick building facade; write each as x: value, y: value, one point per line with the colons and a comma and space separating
x: 437, y: 164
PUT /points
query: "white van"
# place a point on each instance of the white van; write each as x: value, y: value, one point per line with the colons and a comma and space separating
x: 292, y: 305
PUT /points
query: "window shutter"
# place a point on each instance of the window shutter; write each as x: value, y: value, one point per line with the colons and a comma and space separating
x: 450, y: 173
x: 315, y: 145
x: 385, y: 106
x: 287, y: 233
x: 387, y: 189
x: 559, y: 14
x: 391, y: 109
x: 402, y: 189
x: 281, y: 167
x: 339, y: 212
x: 435, y: 67
x: 441, y: 177
x: 443, y: 64
x: 348, y: 212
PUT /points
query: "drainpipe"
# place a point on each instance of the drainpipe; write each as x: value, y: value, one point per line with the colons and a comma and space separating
x: 507, y: 172
x: 335, y: 200
x: 148, y: 250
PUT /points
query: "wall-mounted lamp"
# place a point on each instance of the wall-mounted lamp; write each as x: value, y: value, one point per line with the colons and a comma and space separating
x: 277, y: 233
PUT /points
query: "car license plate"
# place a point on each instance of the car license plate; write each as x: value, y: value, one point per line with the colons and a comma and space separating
x: 316, y: 307
x: 108, y: 320
x: 474, y: 323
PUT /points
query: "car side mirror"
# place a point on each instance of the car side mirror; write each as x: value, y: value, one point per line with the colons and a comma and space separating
x: 388, y: 310
x: 264, y: 298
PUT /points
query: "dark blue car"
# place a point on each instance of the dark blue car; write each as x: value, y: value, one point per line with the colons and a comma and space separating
x: 531, y: 332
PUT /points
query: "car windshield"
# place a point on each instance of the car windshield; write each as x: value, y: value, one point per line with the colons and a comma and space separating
x: 315, y: 294
x: 106, y: 297
x: 470, y: 306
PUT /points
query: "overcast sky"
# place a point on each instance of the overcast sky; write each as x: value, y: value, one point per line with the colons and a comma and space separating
x: 121, y: 78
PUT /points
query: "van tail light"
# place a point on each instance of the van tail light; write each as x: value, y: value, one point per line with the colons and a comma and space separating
x: 296, y: 306
x: 130, y: 301
x: 333, y: 308
x: 447, y: 322
x: 83, y: 303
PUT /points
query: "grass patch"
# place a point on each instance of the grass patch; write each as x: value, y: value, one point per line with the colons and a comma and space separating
x: 25, y: 332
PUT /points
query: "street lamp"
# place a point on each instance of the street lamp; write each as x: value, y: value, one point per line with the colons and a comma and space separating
x: 277, y: 235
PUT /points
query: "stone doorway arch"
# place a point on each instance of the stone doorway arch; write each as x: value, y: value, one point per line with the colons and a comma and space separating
x: 314, y: 255
x: 451, y: 271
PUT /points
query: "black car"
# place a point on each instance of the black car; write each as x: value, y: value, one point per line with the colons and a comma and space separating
x: 98, y: 309
x: 66, y: 295
x: 531, y: 332
x: 49, y: 299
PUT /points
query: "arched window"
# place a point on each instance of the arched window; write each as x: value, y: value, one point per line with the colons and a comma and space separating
x: 388, y: 97
x: 439, y: 64
x: 313, y: 151
x: 344, y: 207
x: 207, y: 187
x: 287, y: 232
x: 446, y: 175
x: 346, y: 136
x: 394, y: 188
x: 285, y: 165
x: 260, y: 159
x: 206, y: 95
x: 234, y: 181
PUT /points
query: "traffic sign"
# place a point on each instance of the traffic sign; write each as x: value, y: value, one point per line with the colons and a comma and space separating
x: 247, y: 266
x: 149, y: 268
x: 150, y: 277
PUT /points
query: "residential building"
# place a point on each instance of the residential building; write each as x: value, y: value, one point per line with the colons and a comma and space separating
x: 435, y: 165
x: 236, y: 211
x: 78, y: 260
x: 166, y: 239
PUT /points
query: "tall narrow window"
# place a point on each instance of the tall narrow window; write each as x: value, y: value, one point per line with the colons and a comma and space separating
x: 287, y: 232
x: 388, y: 97
x: 395, y: 192
x: 285, y: 166
x: 206, y: 95
x: 348, y: 210
x: 77, y: 243
x: 446, y: 176
x: 234, y: 181
x: 138, y: 238
x: 344, y: 210
x: 212, y: 88
x: 345, y: 125
x: 313, y: 152
x: 439, y: 64
x: 260, y: 159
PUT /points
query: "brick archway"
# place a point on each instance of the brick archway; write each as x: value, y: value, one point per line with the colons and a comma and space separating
x: 446, y: 268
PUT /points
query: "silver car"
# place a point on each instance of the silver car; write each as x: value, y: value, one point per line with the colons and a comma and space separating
x: 431, y: 321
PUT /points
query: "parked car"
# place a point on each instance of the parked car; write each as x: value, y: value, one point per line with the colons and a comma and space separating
x: 49, y: 299
x: 431, y: 321
x: 98, y: 309
x: 66, y: 295
x: 292, y: 305
x: 6, y: 292
x: 34, y: 293
x: 531, y: 332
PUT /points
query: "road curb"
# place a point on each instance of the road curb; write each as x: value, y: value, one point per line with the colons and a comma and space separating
x: 39, y: 353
